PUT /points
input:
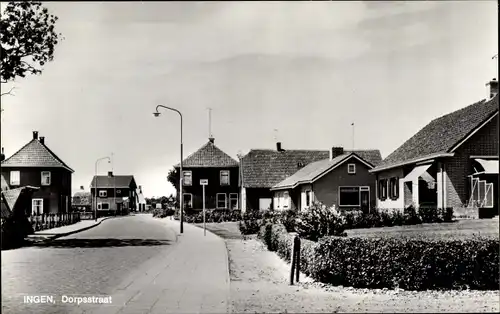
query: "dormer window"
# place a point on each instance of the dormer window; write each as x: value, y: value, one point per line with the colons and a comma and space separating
x: 351, y: 169
x: 300, y: 165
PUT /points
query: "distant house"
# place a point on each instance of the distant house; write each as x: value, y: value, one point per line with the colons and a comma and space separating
x: 82, y: 200
x: 343, y: 180
x: 262, y: 169
x: 115, y: 193
x: 141, y: 200
x: 451, y: 162
x: 37, y: 166
x: 210, y: 163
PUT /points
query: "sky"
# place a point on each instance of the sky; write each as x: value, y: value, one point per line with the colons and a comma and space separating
x: 295, y: 72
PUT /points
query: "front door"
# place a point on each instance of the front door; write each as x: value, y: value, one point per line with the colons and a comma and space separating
x: 365, y: 199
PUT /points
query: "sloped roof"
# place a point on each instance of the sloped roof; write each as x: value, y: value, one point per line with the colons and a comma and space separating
x: 82, y: 198
x: 35, y: 154
x: 116, y: 181
x: 10, y: 197
x: 208, y: 156
x: 442, y: 134
x: 311, y: 172
x: 264, y: 168
x: 3, y: 183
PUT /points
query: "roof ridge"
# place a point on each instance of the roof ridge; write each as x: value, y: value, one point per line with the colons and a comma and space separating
x: 20, y: 149
x: 54, y: 155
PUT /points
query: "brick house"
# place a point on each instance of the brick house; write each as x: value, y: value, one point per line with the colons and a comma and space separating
x: 451, y: 162
x: 211, y: 163
x: 262, y: 169
x: 116, y: 193
x: 343, y: 180
x: 37, y: 166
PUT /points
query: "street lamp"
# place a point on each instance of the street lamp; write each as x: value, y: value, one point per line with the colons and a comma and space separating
x: 96, y: 162
x: 181, y: 198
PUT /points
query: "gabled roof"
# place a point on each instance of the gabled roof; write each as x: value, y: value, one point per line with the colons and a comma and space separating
x: 10, y: 197
x: 208, y: 156
x: 35, y: 154
x: 264, y: 168
x: 442, y: 135
x: 82, y: 198
x: 115, y: 181
x: 315, y: 170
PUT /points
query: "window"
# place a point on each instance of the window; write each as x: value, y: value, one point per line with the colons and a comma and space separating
x: 233, y: 200
x: 118, y: 192
x: 103, y: 206
x: 187, y: 178
x: 286, y: 199
x: 187, y: 200
x: 15, y: 178
x: 351, y: 168
x: 394, y: 188
x: 382, y: 189
x: 103, y: 193
x: 221, y: 200
x: 37, y: 206
x: 45, y: 177
x: 349, y: 196
x: 224, y: 177
x: 308, y: 198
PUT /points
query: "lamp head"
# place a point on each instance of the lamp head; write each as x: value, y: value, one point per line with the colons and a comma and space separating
x: 156, y: 114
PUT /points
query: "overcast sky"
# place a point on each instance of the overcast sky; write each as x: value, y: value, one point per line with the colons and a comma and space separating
x: 307, y: 69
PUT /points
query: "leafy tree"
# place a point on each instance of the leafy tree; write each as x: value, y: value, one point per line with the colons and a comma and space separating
x: 173, y: 177
x: 28, y: 39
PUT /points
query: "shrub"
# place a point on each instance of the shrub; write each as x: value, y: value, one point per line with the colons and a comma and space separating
x: 410, y: 216
x: 319, y: 221
x: 410, y: 264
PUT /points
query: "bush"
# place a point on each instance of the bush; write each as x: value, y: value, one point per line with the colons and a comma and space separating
x: 251, y: 221
x: 14, y: 231
x: 409, y: 264
x: 319, y: 221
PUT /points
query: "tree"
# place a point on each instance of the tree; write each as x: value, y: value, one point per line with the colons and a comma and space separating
x: 173, y: 177
x: 27, y: 39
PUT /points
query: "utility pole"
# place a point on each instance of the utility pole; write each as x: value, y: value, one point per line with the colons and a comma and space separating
x: 209, y: 122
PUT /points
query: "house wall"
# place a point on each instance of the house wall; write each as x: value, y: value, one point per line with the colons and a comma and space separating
x: 302, y: 198
x: 326, y: 188
x: 115, y: 201
x: 458, y: 167
x: 284, y: 203
x: 56, y: 197
x: 254, y: 194
x: 213, y: 187
x: 388, y: 202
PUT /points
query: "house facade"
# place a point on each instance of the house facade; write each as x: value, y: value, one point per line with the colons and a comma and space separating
x: 219, y: 169
x: 82, y: 200
x: 343, y: 181
x: 262, y: 169
x: 36, y: 165
x: 115, y: 194
x: 451, y: 162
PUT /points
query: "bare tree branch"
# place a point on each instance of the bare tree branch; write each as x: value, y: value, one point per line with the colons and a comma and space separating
x: 8, y: 93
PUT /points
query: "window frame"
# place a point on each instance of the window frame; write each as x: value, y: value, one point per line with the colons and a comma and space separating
x: 349, y: 170
x: 220, y: 177
x: 18, y: 182
x: 184, y: 200
x: 393, y: 188
x: 232, y: 198
x: 49, y: 177
x: 103, y: 193
x: 359, y: 188
x: 308, y: 194
x: 99, y: 206
x: 217, y: 200
x: 33, y: 206
x: 190, y: 172
x: 382, y: 189
x: 286, y: 200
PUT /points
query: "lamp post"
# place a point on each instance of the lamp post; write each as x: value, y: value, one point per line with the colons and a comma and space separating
x: 181, y: 175
x: 96, y: 162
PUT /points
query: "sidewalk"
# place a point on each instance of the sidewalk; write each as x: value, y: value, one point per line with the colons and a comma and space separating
x: 190, y: 277
x: 54, y: 233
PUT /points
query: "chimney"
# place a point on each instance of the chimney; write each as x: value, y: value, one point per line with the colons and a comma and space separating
x: 2, y: 156
x: 42, y: 140
x: 140, y: 188
x: 336, y: 151
x: 82, y: 188
x: 110, y: 174
x: 211, y: 139
x: 35, y: 135
x: 278, y: 147
x: 492, y: 88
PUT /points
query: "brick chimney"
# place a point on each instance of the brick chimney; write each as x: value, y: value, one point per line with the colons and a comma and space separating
x: 336, y: 151
x: 140, y: 188
x: 42, y: 140
x: 279, y: 148
x: 2, y: 156
x: 492, y: 88
x: 110, y: 174
x: 82, y: 188
x: 35, y: 135
x: 211, y: 139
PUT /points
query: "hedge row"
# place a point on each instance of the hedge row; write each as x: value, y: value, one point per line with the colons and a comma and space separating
x: 408, y: 264
x: 211, y: 216
x: 162, y: 212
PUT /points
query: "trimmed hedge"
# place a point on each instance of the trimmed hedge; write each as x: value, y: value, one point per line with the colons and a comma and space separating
x: 252, y: 221
x: 163, y: 212
x: 410, y: 264
x: 211, y: 216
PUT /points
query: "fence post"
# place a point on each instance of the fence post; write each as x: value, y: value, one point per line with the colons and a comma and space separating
x: 292, y: 264
x: 297, y: 257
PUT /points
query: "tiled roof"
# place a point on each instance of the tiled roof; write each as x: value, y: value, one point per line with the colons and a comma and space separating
x: 10, y: 197
x: 264, y: 168
x: 442, y: 134
x: 312, y: 171
x: 116, y: 181
x: 207, y: 156
x: 35, y: 154
x: 82, y: 198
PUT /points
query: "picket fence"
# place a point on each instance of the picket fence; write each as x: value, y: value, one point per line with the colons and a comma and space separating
x: 53, y: 220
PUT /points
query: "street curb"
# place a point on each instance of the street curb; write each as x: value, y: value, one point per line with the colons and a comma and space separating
x: 73, y: 232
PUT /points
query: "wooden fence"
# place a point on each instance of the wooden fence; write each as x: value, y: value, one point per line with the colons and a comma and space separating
x: 49, y: 221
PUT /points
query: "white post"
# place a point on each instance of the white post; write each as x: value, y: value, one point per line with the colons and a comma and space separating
x: 204, y: 224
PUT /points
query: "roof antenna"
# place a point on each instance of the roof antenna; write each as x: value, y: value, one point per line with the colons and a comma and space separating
x: 275, y: 135
x: 210, y: 135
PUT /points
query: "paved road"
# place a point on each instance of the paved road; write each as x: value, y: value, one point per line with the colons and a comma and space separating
x: 92, y: 263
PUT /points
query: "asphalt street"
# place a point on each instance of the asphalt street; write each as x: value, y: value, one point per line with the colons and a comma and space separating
x: 90, y: 263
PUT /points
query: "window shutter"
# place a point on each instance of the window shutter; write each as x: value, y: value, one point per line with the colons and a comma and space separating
x: 397, y: 187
